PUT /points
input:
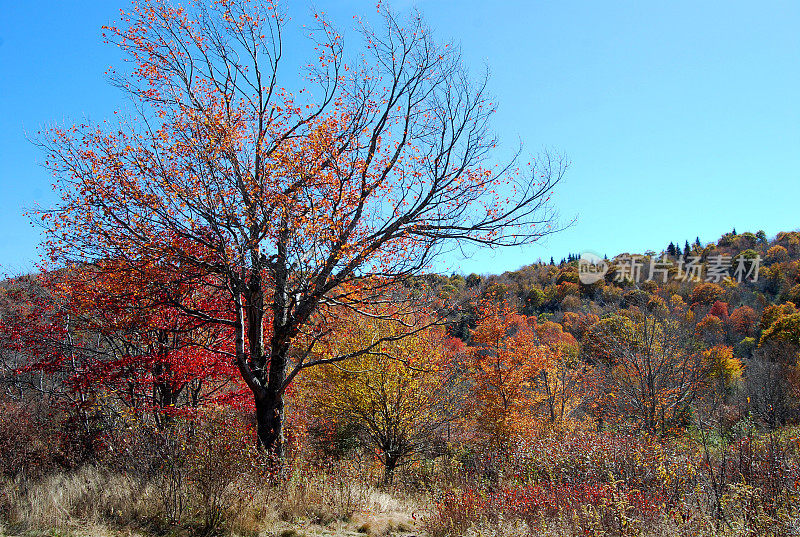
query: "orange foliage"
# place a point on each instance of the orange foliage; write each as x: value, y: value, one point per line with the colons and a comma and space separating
x: 706, y: 294
x: 507, y: 358
x: 743, y: 320
x: 577, y: 323
x: 710, y: 329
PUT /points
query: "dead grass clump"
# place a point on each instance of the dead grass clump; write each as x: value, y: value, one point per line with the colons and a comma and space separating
x: 86, y: 496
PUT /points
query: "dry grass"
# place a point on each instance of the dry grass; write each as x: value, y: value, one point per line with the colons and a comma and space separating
x: 93, y: 502
x: 385, y: 514
x: 88, y: 496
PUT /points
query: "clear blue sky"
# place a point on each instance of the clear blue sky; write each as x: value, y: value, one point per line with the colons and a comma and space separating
x: 680, y: 118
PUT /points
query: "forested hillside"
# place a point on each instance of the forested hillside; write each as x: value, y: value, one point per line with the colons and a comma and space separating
x: 527, y: 402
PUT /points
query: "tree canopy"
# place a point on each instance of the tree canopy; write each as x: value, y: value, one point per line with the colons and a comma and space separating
x: 292, y: 206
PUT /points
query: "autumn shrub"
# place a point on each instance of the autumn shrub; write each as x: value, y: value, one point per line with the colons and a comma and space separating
x: 26, y: 443
x: 453, y: 512
x: 740, y: 482
x: 579, y: 481
x: 533, y: 502
x: 586, y: 508
x: 663, y: 469
x: 37, y: 438
x: 753, y: 482
x: 223, y: 467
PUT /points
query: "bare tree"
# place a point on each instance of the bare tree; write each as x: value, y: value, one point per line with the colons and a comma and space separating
x: 654, y: 371
x: 770, y: 394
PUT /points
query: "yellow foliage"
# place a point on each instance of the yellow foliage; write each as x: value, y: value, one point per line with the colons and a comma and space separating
x: 722, y: 364
x: 397, y: 392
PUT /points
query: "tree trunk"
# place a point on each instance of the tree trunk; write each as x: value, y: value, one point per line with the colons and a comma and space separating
x: 269, y: 420
x: 391, y: 461
x: 268, y: 368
